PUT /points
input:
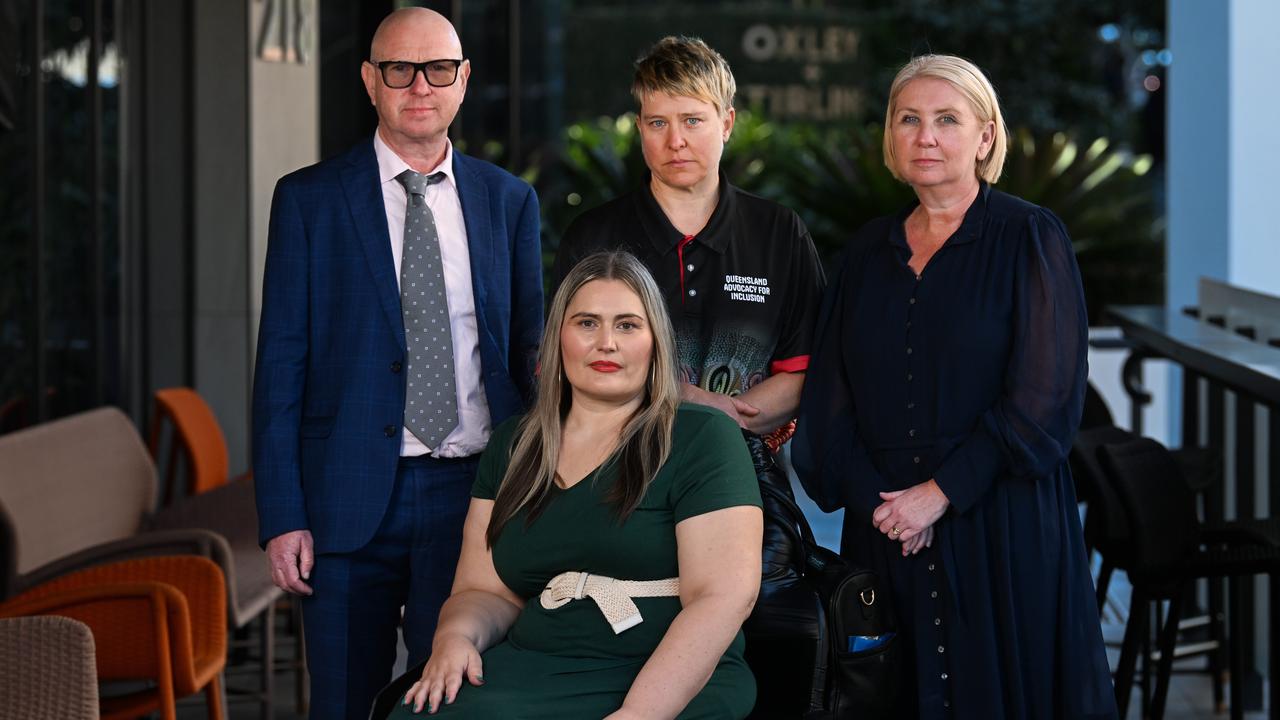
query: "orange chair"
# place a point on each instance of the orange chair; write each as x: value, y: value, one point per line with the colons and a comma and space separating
x: 197, y: 434
x: 161, y: 619
x: 226, y: 507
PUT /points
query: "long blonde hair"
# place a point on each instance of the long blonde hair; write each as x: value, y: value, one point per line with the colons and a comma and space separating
x: 645, y: 441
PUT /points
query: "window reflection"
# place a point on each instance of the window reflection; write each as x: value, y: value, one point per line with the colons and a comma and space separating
x: 59, y: 214
x: 17, y: 291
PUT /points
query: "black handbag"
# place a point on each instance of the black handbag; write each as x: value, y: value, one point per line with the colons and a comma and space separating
x: 811, y: 593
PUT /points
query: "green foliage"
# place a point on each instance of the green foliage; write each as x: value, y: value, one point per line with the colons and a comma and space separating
x: 836, y: 181
x: 1104, y: 198
x: 601, y: 160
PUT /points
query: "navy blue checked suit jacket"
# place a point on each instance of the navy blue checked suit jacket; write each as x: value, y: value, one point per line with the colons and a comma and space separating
x: 328, y: 396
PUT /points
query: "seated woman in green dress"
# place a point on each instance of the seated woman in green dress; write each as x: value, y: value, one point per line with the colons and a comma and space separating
x: 612, y: 548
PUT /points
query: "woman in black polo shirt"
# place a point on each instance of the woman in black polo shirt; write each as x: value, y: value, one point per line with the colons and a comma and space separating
x: 742, y: 283
x: 739, y: 273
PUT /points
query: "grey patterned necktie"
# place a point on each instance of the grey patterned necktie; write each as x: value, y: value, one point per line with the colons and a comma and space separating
x: 431, y: 405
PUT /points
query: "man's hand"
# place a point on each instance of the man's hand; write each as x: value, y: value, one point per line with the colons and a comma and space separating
x: 291, y: 556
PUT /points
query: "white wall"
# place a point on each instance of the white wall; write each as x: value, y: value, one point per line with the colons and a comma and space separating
x: 1253, y: 251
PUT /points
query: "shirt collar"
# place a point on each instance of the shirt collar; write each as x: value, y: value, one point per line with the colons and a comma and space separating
x: 665, y: 236
x: 969, y: 230
x: 390, y: 165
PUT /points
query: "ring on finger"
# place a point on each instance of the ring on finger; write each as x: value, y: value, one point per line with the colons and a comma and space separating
x: 895, y: 531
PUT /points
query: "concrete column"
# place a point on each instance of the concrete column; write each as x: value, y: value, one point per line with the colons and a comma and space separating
x: 1252, y: 240
x: 219, y: 171
x: 1199, y: 149
x: 284, y: 119
x: 1221, y: 175
x: 253, y: 120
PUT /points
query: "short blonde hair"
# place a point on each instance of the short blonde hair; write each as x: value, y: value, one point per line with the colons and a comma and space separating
x: 679, y: 65
x: 969, y: 80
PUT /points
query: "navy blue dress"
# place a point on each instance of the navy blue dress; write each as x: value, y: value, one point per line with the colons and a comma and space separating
x: 972, y: 373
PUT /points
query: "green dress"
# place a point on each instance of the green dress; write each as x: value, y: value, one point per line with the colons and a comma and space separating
x: 567, y: 662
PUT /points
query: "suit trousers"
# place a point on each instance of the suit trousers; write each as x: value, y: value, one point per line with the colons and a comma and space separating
x: 351, y: 617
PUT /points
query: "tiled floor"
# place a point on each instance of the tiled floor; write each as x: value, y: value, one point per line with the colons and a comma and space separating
x: 1190, y: 695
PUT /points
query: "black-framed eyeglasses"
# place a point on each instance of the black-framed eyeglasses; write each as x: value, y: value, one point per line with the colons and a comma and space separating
x: 399, y: 74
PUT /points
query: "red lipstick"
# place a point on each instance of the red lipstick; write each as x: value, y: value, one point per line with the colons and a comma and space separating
x: 605, y: 366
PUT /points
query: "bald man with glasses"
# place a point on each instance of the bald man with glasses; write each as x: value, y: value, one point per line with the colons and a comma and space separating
x: 401, y: 311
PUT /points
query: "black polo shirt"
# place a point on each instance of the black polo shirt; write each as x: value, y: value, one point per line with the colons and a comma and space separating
x: 743, y: 294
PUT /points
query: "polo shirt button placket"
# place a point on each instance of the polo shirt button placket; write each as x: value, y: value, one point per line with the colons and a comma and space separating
x: 685, y: 270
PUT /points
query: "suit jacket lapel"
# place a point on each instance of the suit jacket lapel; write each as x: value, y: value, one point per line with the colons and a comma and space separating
x: 475, y: 214
x: 364, y: 198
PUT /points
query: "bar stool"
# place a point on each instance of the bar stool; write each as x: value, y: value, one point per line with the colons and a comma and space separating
x: 1170, y: 550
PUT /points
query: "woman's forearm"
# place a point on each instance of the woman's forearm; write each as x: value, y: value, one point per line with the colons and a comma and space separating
x: 686, y: 657
x: 481, y: 617
x: 777, y: 397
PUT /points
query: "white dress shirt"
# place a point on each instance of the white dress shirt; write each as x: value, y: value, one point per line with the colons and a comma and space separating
x: 472, y: 432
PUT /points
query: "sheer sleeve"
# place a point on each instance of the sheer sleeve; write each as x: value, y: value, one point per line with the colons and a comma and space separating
x: 1028, y: 432
x: 827, y: 450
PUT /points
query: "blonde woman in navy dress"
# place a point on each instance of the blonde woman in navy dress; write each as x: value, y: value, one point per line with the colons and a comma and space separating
x: 942, y: 398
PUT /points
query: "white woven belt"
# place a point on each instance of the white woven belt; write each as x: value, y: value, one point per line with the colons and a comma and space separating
x: 613, y: 597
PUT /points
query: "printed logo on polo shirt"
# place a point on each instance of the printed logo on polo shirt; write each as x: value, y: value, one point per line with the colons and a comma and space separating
x: 745, y: 288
